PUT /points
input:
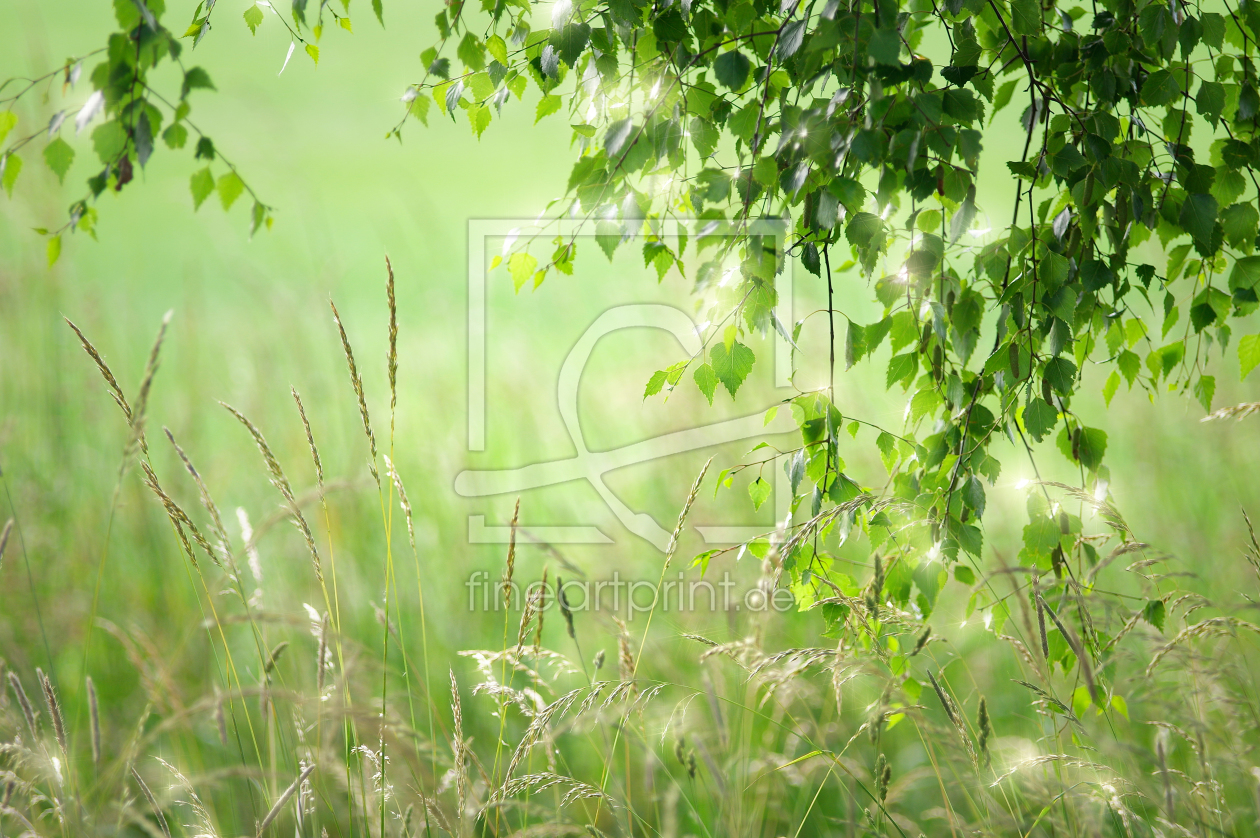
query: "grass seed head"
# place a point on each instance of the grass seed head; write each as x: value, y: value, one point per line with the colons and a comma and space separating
x: 310, y: 438
x: 510, y: 567
x: 4, y: 539
x: 357, y: 383
x: 54, y: 710
x: 565, y: 610
x: 94, y: 717
x: 28, y: 712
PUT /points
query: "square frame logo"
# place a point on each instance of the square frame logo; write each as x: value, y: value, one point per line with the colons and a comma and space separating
x: 589, y: 465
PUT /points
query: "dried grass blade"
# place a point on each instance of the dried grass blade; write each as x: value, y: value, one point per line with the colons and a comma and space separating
x: 148, y: 795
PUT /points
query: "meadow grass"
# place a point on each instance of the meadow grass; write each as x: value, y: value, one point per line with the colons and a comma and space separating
x: 1070, y: 713
x: 176, y: 663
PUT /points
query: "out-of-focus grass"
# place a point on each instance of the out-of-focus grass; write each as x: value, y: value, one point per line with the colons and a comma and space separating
x: 252, y: 319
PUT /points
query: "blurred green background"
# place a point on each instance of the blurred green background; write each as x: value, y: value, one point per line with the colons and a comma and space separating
x: 251, y: 319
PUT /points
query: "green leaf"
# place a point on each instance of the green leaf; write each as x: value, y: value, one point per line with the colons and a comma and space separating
x: 608, y: 236
x: 731, y: 69
x: 1248, y: 354
x: 731, y: 366
x: 547, y: 105
x: 198, y: 79
x: 1003, y: 97
x: 54, y: 250
x: 1246, y: 273
x: 1061, y: 374
x: 1025, y: 17
x: 1154, y: 612
x: 1240, y: 222
x: 887, y: 445
x: 901, y: 368
x: 1092, y: 447
x: 1160, y: 88
x: 230, y: 187
x: 1110, y: 388
x: 12, y: 166
x: 670, y: 28
x: 707, y: 380
x: 570, y: 41
x: 864, y: 228
x: 497, y: 48
x: 472, y: 52
x: 257, y: 216
x: 1198, y: 217
x: 759, y: 491
x: 109, y: 140
x: 702, y: 561
x: 663, y: 377
x: 1204, y: 389
x: 1022, y: 168
x: 925, y: 403
x: 885, y: 46
x: 479, y: 118
x: 1210, y: 100
x: 1213, y: 29
x: 313, y: 52
x: 973, y: 494
x: 175, y: 136
x: 59, y: 155
x: 1040, y: 418
x: 8, y: 120
x: 254, y: 18
x: 521, y: 266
